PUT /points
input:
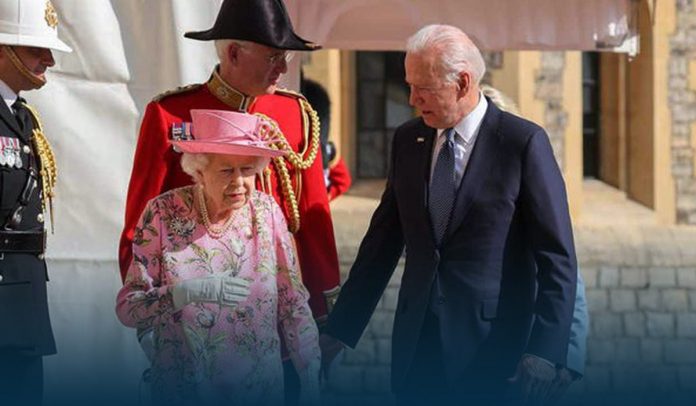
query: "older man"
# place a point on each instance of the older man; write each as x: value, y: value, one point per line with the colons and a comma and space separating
x: 477, y: 198
x: 253, y: 41
x: 28, y: 32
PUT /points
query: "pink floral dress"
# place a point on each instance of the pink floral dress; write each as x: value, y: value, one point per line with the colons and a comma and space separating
x: 206, y: 349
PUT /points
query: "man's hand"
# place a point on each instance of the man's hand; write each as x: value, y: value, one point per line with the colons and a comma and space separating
x: 535, y: 377
x: 330, y: 348
x: 564, y: 377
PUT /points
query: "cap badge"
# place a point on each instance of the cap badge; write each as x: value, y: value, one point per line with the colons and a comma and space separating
x: 50, y: 15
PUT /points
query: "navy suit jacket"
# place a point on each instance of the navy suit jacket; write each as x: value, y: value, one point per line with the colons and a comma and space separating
x: 506, y: 267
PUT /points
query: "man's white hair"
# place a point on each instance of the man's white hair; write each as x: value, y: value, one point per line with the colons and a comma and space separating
x: 221, y: 46
x: 455, y: 51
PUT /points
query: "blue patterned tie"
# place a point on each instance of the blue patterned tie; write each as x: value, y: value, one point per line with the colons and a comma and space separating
x: 442, y: 188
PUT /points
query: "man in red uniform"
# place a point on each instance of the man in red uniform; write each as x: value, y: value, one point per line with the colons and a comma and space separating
x: 336, y: 174
x: 252, y: 39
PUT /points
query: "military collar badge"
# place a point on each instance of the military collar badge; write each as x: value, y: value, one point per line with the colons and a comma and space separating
x: 50, y: 15
x: 227, y: 94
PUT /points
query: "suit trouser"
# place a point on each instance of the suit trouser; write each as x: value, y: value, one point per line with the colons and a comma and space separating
x: 425, y: 381
x: 21, y: 379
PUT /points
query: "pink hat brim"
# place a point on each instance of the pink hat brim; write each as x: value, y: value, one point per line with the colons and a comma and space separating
x: 203, y: 147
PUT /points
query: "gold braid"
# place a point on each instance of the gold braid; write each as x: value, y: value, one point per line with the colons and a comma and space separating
x: 310, y: 122
x: 47, y: 160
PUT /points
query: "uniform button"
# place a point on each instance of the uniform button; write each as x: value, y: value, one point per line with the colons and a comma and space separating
x: 41, y: 256
x: 26, y: 149
x: 1, y: 278
x: 40, y: 218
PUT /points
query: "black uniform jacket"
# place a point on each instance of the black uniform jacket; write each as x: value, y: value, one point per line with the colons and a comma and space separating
x: 25, y: 326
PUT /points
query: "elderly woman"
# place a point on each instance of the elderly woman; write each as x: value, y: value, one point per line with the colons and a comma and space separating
x: 215, y: 275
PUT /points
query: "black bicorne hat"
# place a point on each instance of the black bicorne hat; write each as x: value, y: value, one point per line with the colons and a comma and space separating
x: 263, y: 21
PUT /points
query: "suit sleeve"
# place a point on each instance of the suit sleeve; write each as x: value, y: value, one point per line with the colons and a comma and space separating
x: 545, y: 211
x: 378, y: 255
x: 147, y: 177
x: 577, y: 347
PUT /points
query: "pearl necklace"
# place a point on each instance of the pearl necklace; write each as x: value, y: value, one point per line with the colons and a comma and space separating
x: 215, y: 231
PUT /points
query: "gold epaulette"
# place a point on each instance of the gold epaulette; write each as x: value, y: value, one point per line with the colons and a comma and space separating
x: 291, y: 93
x: 178, y: 90
x: 48, y: 170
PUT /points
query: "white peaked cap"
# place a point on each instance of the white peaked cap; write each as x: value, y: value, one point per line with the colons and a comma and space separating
x: 31, y: 23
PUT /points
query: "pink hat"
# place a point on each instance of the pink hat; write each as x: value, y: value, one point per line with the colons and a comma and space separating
x: 229, y: 132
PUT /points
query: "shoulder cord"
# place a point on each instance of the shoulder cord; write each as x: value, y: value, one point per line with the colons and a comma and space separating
x: 48, y: 169
x: 310, y: 123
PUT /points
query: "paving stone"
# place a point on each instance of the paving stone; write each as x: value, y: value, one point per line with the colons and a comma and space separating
x: 608, y: 277
x: 687, y: 378
x: 597, y: 379
x: 377, y: 380
x: 622, y: 300
x: 662, y: 277
x: 660, y: 324
x: 346, y: 379
x: 686, y: 325
x: 628, y: 350
x: 634, y: 323
x: 686, y: 277
x: 675, y: 300
x: 649, y: 299
x: 607, y: 325
x: 363, y: 354
x: 634, y: 278
x: 384, y: 351
x: 680, y: 351
x: 597, y: 300
x: 651, y: 351
x: 589, y: 276
x: 601, y: 351
x: 389, y: 299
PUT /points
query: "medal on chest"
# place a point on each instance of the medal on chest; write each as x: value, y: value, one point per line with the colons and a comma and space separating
x: 8, y: 155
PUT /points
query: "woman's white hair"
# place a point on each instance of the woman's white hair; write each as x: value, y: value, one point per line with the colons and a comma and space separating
x: 194, y: 164
x: 500, y: 99
x: 456, y: 52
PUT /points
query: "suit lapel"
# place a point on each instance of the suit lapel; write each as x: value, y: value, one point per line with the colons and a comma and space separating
x: 10, y: 120
x: 477, y: 169
x: 424, y: 141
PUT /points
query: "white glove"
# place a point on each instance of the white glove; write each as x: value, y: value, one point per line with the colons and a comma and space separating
x: 146, y: 338
x: 221, y: 289
x: 309, y: 385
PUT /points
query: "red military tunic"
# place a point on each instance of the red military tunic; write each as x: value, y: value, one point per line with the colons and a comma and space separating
x: 339, y: 178
x: 156, y: 169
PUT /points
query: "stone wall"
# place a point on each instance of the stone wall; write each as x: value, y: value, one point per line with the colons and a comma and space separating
x: 682, y: 99
x: 549, y: 90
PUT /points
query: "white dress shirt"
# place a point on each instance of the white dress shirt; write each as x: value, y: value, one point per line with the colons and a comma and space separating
x: 8, y: 95
x: 466, y: 132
